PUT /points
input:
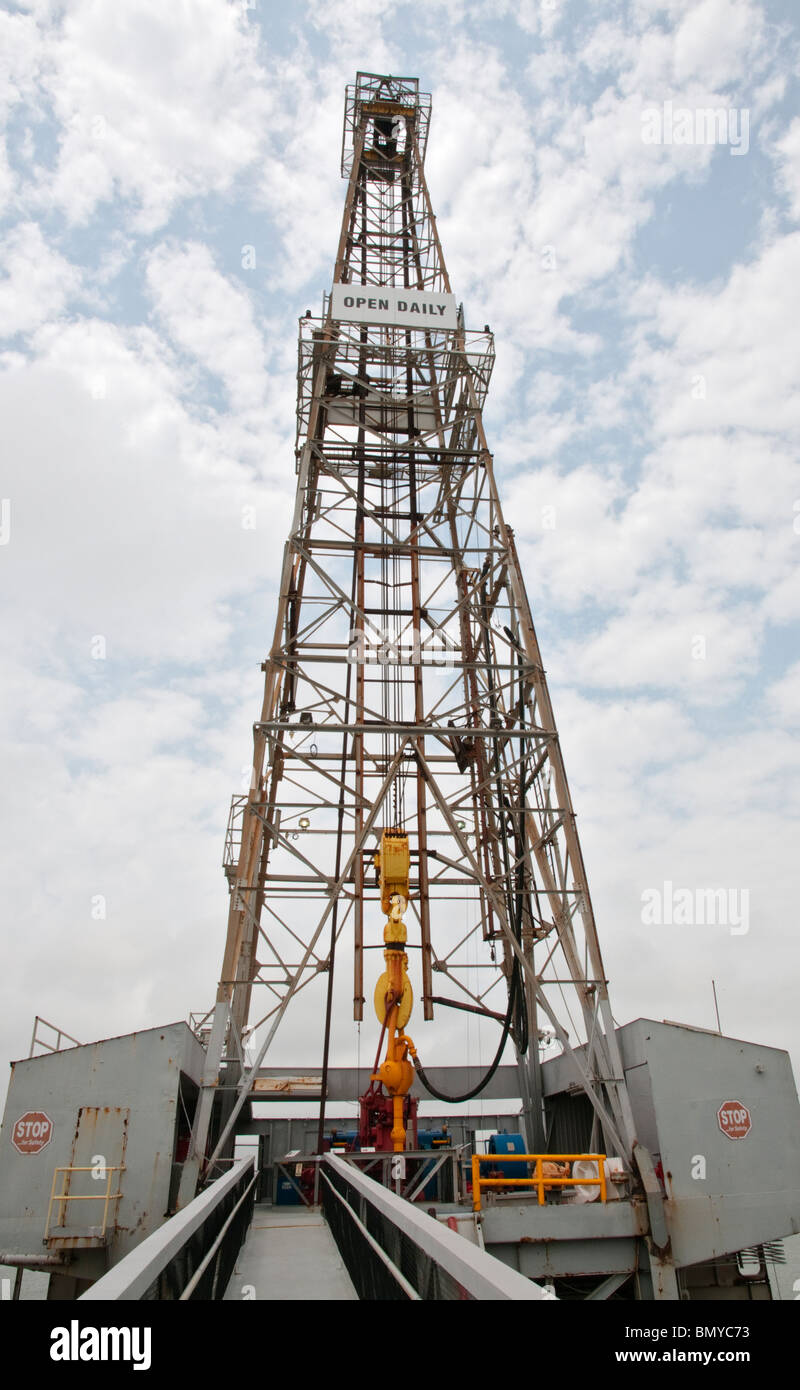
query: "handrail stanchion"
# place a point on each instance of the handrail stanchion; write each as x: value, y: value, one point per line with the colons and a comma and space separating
x: 538, y: 1180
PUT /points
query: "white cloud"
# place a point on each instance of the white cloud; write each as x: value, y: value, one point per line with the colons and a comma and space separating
x: 156, y: 103
x: 726, y: 354
x: 20, y: 56
x: 210, y: 317
x: 37, y: 281
x: 660, y: 801
x: 126, y: 511
x: 783, y: 696
x: 671, y: 637
x: 716, y: 40
x: 699, y: 540
x: 789, y: 151
x: 540, y: 201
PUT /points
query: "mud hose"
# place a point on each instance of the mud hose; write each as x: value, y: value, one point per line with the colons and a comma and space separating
x: 484, y: 1082
x: 518, y: 1018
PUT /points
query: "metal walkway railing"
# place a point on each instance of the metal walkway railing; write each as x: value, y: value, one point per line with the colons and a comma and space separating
x: 540, y: 1179
x: 393, y: 1250
x: 193, y: 1254
x: 390, y: 1248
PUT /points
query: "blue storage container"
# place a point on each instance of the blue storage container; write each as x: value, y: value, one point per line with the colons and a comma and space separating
x: 339, y: 1139
x: 507, y: 1144
x: 286, y: 1195
x: 433, y: 1138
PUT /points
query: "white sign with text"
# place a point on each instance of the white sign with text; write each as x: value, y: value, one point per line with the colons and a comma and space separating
x: 398, y: 308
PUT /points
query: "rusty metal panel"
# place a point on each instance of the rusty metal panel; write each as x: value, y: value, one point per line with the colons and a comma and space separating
x: 279, y: 1087
x: 85, y: 1201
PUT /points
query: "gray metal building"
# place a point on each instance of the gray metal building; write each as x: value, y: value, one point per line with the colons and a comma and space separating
x: 719, y: 1116
x: 118, y: 1113
x: 716, y: 1193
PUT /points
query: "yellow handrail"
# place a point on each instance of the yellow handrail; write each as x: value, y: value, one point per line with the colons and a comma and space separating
x: 64, y: 1196
x: 538, y: 1179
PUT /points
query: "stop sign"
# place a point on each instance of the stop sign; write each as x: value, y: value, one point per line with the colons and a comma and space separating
x: 32, y: 1132
x: 734, y: 1119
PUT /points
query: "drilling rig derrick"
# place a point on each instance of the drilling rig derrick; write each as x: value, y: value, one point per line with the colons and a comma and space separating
x: 408, y: 797
x: 406, y: 718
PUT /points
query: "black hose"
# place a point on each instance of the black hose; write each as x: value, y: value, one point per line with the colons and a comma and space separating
x: 521, y: 1016
x: 516, y: 1010
x: 514, y: 894
x: 484, y: 1082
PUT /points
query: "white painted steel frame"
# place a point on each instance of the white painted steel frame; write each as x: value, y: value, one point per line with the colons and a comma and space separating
x: 479, y: 1274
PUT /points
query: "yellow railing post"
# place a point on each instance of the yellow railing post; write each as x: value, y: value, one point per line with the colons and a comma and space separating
x: 63, y: 1196
x: 56, y: 1172
x: 537, y: 1180
x: 539, y: 1176
x: 476, y: 1182
x: 109, y: 1174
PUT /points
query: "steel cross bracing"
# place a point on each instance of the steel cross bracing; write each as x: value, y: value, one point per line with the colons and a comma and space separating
x: 404, y: 686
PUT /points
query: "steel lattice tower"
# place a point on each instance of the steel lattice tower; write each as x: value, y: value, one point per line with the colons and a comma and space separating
x: 405, y: 686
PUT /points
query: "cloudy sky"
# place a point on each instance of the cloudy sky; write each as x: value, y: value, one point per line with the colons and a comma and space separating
x: 170, y: 203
